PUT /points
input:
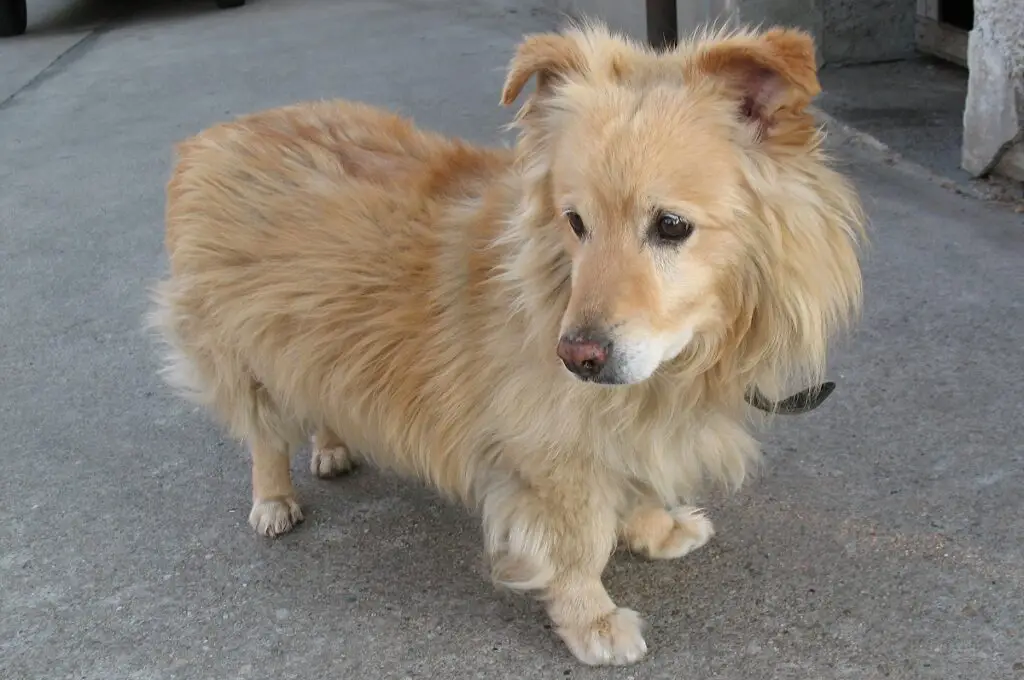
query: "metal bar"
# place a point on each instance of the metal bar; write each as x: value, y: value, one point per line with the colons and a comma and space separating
x: 662, y: 24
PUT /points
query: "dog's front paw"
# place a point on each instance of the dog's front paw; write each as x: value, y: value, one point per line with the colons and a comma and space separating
x: 667, y: 534
x: 274, y: 516
x: 614, y: 639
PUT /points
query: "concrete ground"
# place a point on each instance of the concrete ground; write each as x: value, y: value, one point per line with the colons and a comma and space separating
x: 884, y: 539
x: 915, y: 107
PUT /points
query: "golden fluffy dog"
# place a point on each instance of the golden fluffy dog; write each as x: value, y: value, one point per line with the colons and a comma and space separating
x: 560, y: 335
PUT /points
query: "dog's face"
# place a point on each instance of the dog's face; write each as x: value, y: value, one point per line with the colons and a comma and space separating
x: 645, y: 161
x: 646, y: 185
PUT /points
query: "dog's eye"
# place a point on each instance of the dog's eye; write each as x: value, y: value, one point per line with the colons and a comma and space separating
x: 576, y: 223
x: 672, y: 228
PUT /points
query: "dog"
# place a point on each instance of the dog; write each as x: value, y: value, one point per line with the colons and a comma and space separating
x: 559, y: 334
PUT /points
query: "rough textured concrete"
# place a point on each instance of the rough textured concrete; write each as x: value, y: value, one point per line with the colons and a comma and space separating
x: 847, y: 31
x: 882, y: 541
x: 805, y: 14
x: 994, y: 115
x: 865, y: 31
x: 626, y: 16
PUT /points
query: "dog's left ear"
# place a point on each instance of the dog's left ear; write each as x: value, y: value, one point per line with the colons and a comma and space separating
x: 768, y: 74
x: 548, y: 56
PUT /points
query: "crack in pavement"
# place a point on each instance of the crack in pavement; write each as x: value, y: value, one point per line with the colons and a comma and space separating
x: 62, y: 61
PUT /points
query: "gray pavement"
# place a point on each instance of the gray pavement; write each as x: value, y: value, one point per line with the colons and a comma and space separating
x: 884, y: 539
x: 916, y: 107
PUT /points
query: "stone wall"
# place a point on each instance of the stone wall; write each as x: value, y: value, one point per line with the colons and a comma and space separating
x: 994, y: 114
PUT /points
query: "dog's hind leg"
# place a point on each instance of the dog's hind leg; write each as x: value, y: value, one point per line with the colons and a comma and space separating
x: 218, y: 379
x: 274, y: 508
x: 331, y: 457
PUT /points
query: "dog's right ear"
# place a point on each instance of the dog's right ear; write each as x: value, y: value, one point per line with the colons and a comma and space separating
x: 548, y: 56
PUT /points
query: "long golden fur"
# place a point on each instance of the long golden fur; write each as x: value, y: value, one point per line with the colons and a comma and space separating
x: 667, y: 227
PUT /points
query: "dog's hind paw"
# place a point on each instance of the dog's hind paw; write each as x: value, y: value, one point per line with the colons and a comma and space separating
x: 325, y: 463
x: 615, y: 639
x: 330, y: 456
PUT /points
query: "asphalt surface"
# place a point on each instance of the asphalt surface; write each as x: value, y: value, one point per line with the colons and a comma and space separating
x: 883, y: 540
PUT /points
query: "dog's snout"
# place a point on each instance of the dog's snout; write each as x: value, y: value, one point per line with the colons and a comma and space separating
x: 584, y: 355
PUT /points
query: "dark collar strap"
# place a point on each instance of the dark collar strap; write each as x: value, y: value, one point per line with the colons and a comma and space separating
x: 801, y: 402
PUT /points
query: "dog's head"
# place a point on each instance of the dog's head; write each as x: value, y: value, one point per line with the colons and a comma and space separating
x: 688, y: 194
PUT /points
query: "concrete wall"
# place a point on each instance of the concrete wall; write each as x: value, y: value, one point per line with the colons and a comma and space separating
x: 994, y: 114
x: 626, y: 16
x: 804, y: 14
x: 859, y: 31
x: 692, y: 14
x: 847, y: 31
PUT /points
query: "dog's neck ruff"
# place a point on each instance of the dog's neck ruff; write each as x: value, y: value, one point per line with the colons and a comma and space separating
x: 801, y: 402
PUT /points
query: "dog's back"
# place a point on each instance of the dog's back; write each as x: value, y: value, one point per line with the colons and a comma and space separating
x: 308, y: 247
x: 269, y: 173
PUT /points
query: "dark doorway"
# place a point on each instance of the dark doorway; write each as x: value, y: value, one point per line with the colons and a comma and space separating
x: 959, y: 13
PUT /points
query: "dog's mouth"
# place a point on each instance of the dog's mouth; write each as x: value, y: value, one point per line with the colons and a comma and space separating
x: 606, y: 378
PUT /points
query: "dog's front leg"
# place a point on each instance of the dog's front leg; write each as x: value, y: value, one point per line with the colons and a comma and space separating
x: 554, y: 536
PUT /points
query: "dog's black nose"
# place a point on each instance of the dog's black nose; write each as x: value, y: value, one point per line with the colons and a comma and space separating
x: 584, y: 356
